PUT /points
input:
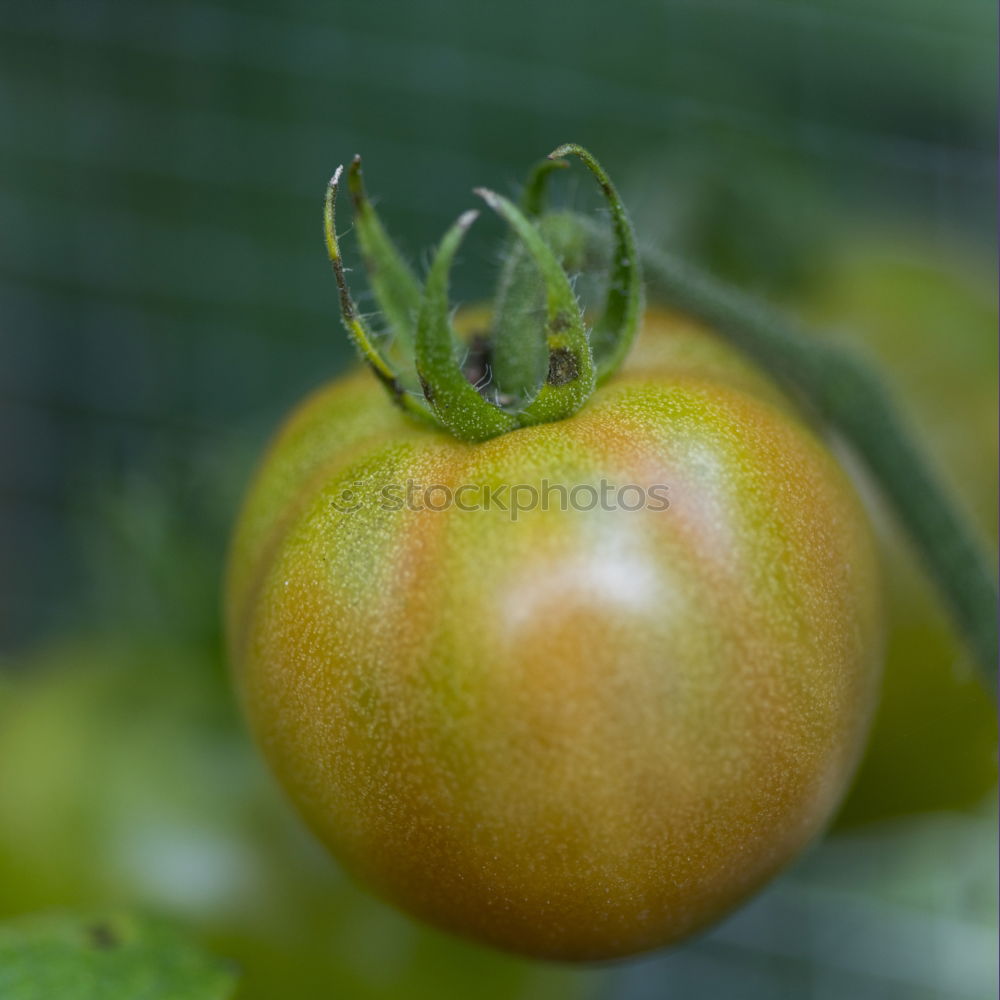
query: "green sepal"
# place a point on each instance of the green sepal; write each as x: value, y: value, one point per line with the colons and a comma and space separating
x: 534, y: 197
x: 614, y: 332
x: 538, y: 362
x: 455, y: 401
x: 396, y: 289
x: 569, y: 376
x: 354, y: 322
x: 519, y: 355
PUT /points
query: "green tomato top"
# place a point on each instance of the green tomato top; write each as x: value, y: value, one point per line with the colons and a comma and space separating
x: 421, y: 368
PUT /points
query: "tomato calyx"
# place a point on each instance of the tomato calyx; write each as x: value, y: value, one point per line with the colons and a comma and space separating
x: 525, y: 372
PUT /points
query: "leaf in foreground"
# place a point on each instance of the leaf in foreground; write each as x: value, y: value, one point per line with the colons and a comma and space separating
x: 106, y: 956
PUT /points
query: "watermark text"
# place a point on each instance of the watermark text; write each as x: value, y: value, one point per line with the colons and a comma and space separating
x: 512, y: 499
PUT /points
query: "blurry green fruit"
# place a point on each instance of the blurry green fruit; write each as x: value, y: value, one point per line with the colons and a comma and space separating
x: 930, y: 318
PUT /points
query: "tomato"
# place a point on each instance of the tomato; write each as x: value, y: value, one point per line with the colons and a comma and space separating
x: 575, y: 731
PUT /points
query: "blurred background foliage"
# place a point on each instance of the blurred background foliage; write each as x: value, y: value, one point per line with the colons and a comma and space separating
x: 164, y: 297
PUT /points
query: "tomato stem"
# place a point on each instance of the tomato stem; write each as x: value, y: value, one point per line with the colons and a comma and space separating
x: 540, y: 346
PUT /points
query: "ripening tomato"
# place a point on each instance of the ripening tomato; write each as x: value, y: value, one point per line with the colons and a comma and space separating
x: 589, y: 728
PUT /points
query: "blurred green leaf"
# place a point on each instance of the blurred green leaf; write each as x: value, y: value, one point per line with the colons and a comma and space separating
x: 106, y: 956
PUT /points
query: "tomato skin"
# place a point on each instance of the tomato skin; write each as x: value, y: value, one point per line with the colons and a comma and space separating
x: 581, y: 734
